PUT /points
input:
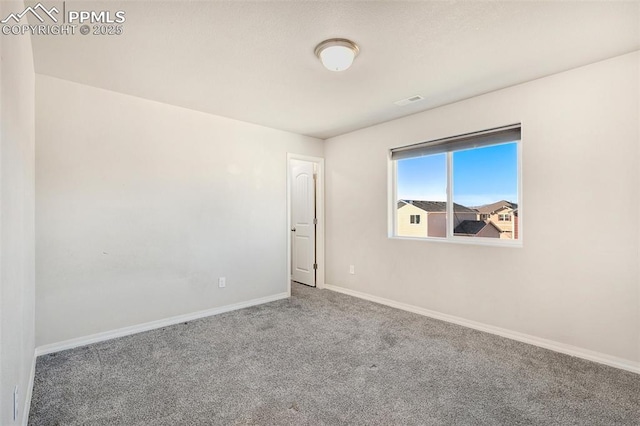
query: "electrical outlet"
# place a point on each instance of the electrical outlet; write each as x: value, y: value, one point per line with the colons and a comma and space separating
x: 15, y: 403
x: 222, y: 282
x: 352, y: 269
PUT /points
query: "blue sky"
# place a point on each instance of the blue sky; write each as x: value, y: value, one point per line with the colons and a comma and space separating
x: 480, y: 176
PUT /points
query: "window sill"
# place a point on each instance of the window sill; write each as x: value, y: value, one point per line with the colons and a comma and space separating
x: 465, y: 241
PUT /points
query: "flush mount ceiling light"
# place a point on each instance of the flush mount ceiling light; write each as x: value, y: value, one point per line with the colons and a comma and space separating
x: 337, y: 54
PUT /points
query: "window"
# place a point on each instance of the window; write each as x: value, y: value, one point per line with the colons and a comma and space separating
x: 458, y: 183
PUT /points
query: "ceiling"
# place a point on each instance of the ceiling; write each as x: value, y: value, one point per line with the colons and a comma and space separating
x: 254, y: 61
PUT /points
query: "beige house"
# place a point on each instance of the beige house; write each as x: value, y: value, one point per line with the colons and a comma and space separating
x: 501, y: 214
x: 417, y: 218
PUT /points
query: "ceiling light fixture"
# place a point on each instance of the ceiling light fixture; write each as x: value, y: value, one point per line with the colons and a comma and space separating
x: 337, y: 54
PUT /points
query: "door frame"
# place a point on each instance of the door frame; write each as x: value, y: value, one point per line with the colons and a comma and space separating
x: 319, y: 214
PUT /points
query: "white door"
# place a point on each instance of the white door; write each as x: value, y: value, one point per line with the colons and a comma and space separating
x: 303, y: 229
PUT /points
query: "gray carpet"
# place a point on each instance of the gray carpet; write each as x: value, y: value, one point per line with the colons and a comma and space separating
x: 326, y: 358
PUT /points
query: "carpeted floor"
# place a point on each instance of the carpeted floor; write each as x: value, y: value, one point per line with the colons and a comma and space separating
x: 323, y: 358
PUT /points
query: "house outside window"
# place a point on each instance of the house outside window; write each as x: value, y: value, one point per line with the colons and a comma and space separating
x: 500, y: 214
x: 462, y: 189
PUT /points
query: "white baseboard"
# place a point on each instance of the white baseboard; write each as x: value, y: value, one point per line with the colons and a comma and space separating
x: 27, y: 401
x: 598, y: 357
x: 126, y: 331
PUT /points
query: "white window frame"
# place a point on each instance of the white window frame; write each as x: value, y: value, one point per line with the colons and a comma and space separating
x: 392, y: 191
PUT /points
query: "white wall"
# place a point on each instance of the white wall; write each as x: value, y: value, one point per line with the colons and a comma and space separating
x: 17, y: 130
x: 141, y: 206
x: 577, y: 285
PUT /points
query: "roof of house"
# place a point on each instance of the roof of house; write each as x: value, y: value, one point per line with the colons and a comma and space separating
x: 498, y: 205
x: 435, y: 206
x: 472, y: 227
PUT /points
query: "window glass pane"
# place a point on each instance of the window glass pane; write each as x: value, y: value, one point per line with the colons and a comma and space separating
x: 485, y: 180
x: 422, y: 196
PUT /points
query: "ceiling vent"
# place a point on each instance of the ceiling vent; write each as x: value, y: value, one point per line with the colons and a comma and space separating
x: 410, y: 100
